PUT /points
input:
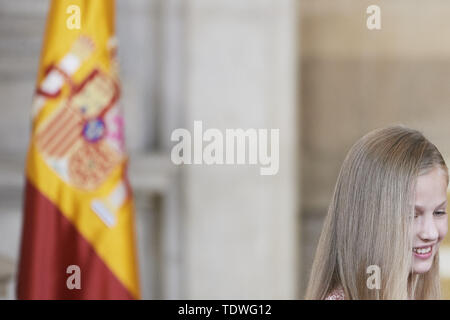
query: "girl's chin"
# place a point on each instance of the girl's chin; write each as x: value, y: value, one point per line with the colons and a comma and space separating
x: 421, y: 267
x: 420, y: 271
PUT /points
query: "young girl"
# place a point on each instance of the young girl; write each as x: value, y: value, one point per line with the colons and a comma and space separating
x: 387, y: 217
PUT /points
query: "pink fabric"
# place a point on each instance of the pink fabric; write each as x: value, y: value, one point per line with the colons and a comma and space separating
x: 336, y: 294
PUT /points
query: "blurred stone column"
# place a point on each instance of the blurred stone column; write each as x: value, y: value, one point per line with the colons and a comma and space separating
x: 240, y: 228
x: 7, y: 273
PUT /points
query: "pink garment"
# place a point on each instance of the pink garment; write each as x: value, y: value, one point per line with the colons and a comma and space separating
x: 336, y: 294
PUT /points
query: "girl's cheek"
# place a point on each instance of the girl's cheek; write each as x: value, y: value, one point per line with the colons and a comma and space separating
x: 415, y: 228
x: 443, y: 228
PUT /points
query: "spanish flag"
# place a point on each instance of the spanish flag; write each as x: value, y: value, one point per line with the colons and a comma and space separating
x: 78, y: 238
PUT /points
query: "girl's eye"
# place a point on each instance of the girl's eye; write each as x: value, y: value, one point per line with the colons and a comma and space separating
x: 440, y: 213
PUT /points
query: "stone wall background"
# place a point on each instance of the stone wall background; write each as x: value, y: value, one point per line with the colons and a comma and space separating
x: 204, y: 232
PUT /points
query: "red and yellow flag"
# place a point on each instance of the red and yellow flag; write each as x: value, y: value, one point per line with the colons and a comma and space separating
x: 78, y: 220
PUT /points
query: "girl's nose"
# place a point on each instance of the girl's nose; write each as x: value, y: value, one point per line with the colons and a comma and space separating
x: 428, y: 229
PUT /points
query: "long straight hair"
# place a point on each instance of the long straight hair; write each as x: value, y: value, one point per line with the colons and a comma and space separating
x: 370, y: 220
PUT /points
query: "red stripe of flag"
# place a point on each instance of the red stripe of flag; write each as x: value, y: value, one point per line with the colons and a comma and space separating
x: 50, y: 244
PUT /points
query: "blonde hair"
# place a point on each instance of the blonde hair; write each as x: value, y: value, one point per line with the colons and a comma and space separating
x: 369, y: 220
